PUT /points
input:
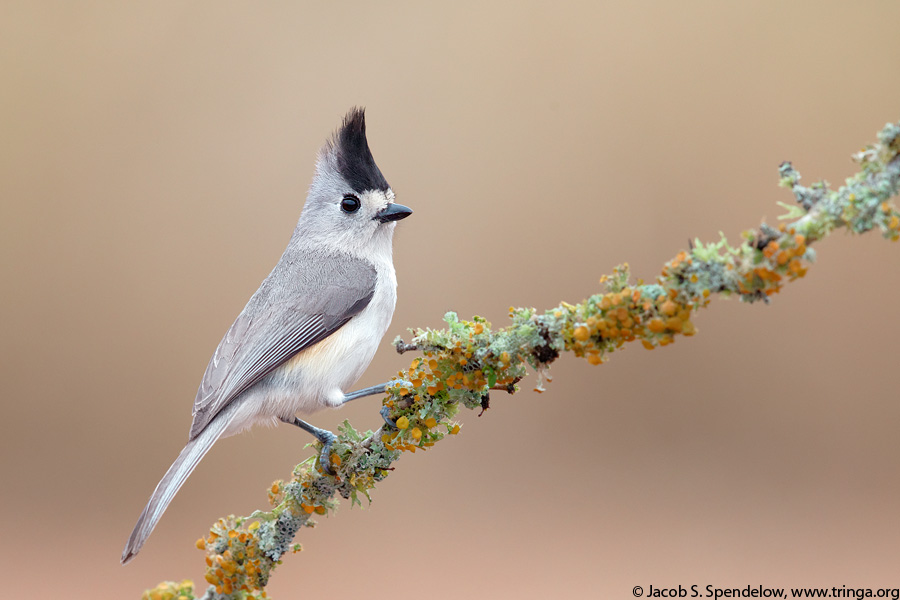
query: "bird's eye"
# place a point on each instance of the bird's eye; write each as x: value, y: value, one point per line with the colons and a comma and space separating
x: 350, y: 204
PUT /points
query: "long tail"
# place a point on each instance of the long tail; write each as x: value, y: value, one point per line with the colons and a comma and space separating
x: 173, y: 479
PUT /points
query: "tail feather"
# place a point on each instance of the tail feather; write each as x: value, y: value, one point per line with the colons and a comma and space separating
x: 172, y: 481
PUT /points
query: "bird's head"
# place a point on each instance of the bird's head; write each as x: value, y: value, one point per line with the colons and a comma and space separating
x: 350, y: 204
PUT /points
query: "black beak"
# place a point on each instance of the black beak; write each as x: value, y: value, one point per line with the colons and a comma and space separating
x: 392, y: 212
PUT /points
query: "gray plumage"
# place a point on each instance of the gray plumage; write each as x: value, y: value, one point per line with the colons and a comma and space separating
x: 312, y: 327
x: 321, y: 293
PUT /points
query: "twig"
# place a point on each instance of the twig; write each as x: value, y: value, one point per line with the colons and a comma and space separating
x: 460, y: 364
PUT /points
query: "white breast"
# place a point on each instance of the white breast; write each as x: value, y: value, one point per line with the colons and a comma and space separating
x: 336, y: 363
x: 319, y: 376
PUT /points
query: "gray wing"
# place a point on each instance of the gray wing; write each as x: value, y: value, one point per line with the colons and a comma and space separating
x: 305, y: 299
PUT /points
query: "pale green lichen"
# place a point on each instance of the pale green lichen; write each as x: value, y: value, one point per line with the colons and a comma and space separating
x: 461, y: 364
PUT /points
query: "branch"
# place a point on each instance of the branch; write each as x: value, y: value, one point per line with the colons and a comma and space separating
x: 461, y: 364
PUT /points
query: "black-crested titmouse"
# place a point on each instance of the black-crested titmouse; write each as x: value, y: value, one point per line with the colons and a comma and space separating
x: 312, y: 327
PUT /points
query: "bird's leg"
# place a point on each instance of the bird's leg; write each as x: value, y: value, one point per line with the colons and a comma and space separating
x: 323, y: 435
x: 326, y: 437
x: 371, y: 391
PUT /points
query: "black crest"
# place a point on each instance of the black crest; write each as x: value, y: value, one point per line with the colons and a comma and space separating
x: 354, y: 159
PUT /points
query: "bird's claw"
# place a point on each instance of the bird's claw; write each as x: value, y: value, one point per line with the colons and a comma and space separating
x: 327, y: 438
x: 385, y: 414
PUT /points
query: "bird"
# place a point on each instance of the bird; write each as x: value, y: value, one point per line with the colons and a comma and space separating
x: 313, y: 326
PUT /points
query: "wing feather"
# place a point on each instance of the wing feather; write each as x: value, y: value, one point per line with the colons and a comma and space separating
x: 293, y: 309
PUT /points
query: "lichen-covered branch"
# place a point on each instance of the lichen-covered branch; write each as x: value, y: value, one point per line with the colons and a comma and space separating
x: 460, y: 365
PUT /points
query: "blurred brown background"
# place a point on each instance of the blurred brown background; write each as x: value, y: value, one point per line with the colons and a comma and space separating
x: 155, y: 157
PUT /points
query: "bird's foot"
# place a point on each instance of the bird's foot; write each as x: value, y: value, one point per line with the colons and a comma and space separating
x: 323, y: 435
x: 385, y: 413
x: 327, y: 438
